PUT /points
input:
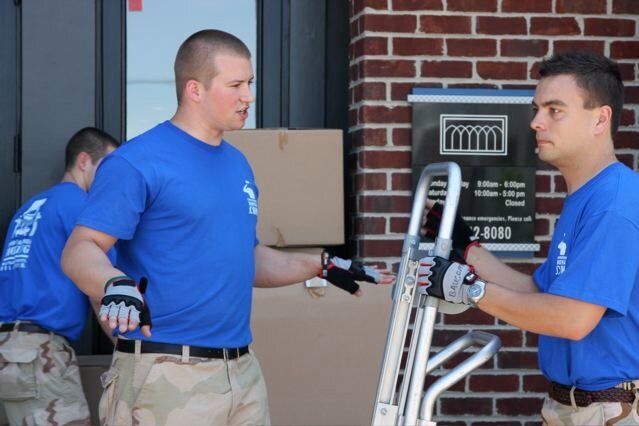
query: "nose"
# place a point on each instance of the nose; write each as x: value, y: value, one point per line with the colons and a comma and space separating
x: 536, y: 123
x: 247, y: 95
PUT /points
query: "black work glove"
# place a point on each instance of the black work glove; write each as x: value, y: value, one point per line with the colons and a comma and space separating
x: 343, y: 273
x: 463, y: 237
x: 445, y: 280
x: 123, y: 299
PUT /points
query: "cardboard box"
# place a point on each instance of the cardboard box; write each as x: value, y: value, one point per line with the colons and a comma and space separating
x: 300, y: 176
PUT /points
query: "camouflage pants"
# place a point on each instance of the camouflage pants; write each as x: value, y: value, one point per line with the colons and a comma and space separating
x: 157, y: 389
x: 554, y: 413
x: 40, y: 380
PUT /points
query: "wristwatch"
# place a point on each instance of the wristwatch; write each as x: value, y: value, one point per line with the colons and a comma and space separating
x: 476, y: 292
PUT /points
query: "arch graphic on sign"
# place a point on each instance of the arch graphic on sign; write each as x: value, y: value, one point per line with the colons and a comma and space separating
x: 473, y: 134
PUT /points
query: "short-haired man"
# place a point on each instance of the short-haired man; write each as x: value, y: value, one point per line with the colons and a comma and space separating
x: 582, y: 299
x: 181, y: 202
x: 40, y: 308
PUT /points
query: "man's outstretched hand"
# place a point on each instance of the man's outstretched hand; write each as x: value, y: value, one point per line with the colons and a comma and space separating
x: 123, y: 305
x: 345, y: 273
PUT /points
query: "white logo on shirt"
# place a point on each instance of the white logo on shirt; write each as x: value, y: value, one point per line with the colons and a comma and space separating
x: 562, y: 258
x: 18, y: 249
x: 250, y: 198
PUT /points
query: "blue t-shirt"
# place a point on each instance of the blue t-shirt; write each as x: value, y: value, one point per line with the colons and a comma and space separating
x: 594, y: 257
x: 32, y: 284
x: 185, y: 215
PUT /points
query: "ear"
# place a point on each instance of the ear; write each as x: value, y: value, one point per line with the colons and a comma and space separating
x: 192, y: 90
x: 604, y: 119
x: 82, y: 161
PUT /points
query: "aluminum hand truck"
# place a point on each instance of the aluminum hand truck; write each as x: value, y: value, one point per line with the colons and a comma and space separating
x: 404, y: 405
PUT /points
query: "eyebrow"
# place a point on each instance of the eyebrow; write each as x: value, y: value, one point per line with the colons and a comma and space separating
x: 550, y: 103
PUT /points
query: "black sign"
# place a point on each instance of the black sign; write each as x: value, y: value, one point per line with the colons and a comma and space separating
x: 487, y: 133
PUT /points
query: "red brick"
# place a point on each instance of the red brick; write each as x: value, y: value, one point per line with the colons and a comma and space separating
x: 631, y: 95
x: 457, y: 387
x: 445, y: 24
x: 495, y: 25
x: 560, y: 184
x: 417, y: 5
x: 369, y: 46
x: 370, y: 225
x: 444, y: 337
x: 628, y: 117
x: 451, y: 69
x: 399, y: 225
x: 352, y: 117
x: 386, y: 68
x: 359, y: 5
x: 463, y: 406
x: 542, y: 183
x: 400, y: 91
x: 384, y: 159
x: 411, y: 46
x: 519, y: 406
x: 384, y: 204
x: 624, y: 49
x: 535, y: 383
x: 627, y: 71
x: 381, y: 114
x: 520, y: 48
x: 471, y: 316
x: 474, y: 85
x: 402, y: 137
x: 509, y: 338
x: 369, y: 137
x: 532, y: 339
x: 370, y: 181
x: 401, y: 182
x: 627, y: 159
x: 517, y: 359
x: 625, y: 6
x: 581, y: 6
x: 379, y: 248
x: 472, y: 5
x: 369, y: 91
x: 519, y: 6
x: 389, y: 23
x: 549, y: 205
x: 595, y: 46
x: 609, y: 27
x: 554, y: 26
x: 543, y: 249
x: 493, y: 383
x: 502, y: 70
x: 627, y: 139
x: 542, y: 227
x: 472, y: 47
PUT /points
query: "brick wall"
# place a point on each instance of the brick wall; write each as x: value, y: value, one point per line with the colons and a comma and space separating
x: 399, y: 44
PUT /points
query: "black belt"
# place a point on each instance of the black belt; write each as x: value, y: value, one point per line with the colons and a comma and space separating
x: 584, y: 398
x: 147, y: 347
x: 29, y: 327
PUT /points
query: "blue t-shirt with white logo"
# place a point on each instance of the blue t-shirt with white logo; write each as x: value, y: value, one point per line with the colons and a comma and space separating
x: 32, y: 284
x: 594, y: 257
x: 185, y: 215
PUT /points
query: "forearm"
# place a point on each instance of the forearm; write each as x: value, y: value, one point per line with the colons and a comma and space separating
x: 275, y: 268
x: 88, y: 267
x: 541, y: 313
x: 489, y: 268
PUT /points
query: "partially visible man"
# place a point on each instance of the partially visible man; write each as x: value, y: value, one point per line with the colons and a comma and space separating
x: 583, y: 299
x: 40, y: 308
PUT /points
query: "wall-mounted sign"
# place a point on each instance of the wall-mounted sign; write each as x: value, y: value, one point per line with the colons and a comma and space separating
x: 487, y: 133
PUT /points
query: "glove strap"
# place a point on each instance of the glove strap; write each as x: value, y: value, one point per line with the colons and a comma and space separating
x: 114, y: 279
x: 325, y: 261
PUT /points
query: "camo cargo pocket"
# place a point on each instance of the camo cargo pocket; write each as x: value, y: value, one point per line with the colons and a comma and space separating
x: 17, y: 374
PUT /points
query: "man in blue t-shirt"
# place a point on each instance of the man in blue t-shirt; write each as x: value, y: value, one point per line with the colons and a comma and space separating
x: 583, y: 299
x: 182, y: 205
x: 40, y: 308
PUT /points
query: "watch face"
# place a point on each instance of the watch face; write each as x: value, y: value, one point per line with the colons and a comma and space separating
x: 474, y: 290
